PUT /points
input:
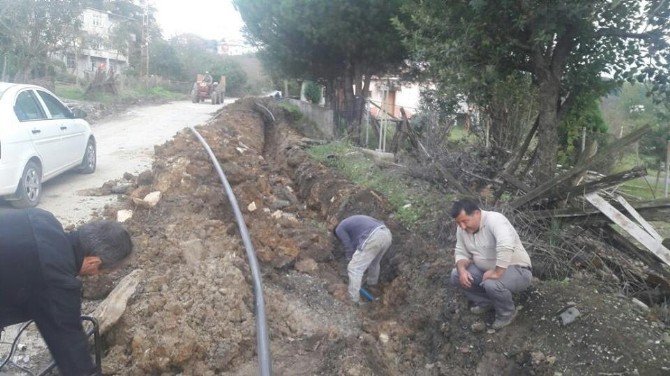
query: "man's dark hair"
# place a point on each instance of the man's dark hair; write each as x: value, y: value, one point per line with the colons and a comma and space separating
x: 108, y: 240
x: 466, y: 205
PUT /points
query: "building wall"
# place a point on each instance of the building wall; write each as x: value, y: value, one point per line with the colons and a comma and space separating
x: 87, y: 60
x: 321, y: 117
x: 406, y: 95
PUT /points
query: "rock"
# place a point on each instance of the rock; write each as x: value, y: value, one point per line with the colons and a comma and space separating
x: 113, y: 307
x: 666, y: 338
x: 478, y: 327
x: 152, y: 198
x: 569, y: 315
x: 383, y: 338
x: 121, y: 189
x: 128, y: 176
x: 537, y: 357
x: 145, y: 178
x: 123, y: 215
x: 306, y: 265
x: 640, y: 304
x: 140, y: 192
x: 280, y: 204
x: 252, y: 207
x: 277, y: 214
x: 140, y: 203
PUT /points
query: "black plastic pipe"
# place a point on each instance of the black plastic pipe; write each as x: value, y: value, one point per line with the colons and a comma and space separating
x: 262, y: 338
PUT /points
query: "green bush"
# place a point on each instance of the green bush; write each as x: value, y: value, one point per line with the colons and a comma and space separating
x: 313, y: 92
x: 292, y: 112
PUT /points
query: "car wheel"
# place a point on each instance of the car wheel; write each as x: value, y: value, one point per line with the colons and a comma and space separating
x: 89, y: 161
x: 30, y: 187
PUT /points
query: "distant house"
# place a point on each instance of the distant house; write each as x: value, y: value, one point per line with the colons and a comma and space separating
x: 94, y: 48
x: 389, y: 93
x: 232, y: 48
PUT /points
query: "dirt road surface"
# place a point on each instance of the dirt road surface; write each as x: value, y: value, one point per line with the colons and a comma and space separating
x: 125, y: 144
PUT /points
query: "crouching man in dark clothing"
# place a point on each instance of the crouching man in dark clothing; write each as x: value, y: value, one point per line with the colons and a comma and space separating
x: 365, y: 240
x: 39, y: 264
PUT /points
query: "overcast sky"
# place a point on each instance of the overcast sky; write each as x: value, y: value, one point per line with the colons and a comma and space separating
x: 210, y: 19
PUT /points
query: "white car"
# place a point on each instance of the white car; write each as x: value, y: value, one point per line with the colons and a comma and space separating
x: 40, y: 138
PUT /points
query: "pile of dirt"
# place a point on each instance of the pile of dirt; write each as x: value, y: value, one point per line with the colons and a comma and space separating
x: 194, y: 312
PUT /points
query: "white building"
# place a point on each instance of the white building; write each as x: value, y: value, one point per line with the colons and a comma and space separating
x: 94, y: 48
x: 391, y: 94
x: 232, y: 48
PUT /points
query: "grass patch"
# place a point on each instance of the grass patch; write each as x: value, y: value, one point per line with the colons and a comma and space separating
x: 127, y: 95
x: 292, y: 112
x: 69, y: 91
x: 646, y: 187
x: 458, y: 133
x: 413, y: 204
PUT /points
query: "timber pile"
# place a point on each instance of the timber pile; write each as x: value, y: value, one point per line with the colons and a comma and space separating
x: 569, y: 223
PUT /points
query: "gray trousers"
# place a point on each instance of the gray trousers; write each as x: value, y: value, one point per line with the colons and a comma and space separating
x: 368, y: 258
x: 496, y: 292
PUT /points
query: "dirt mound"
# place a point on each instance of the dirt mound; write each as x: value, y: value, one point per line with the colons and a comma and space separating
x: 193, y: 314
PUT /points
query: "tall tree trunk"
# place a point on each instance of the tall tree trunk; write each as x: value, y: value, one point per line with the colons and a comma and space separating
x: 358, y: 79
x: 366, y: 85
x: 350, y: 103
x: 549, y: 96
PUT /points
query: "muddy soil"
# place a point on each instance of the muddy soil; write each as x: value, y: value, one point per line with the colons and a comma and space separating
x: 193, y: 313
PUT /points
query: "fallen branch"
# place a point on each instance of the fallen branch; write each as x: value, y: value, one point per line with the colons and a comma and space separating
x: 545, y: 189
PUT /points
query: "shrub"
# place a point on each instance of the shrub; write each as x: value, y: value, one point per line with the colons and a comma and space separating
x: 313, y: 92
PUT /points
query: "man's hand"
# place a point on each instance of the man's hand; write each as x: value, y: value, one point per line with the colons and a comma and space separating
x: 465, y: 279
x: 493, y: 274
x: 464, y: 276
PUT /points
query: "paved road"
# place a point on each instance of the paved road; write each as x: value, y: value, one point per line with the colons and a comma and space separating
x: 125, y: 144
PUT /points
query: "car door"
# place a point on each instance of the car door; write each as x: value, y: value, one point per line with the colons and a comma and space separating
x: 72, y: 131
x: 46, y: 137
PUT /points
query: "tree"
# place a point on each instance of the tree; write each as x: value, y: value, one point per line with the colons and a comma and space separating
x: 313, y: 92
x: 340, y: 43
x: 565, y: 45
x: 164, y: 60
x: 31, y: 31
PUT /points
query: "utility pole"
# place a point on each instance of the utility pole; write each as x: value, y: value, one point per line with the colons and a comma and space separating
x: 144, y: 50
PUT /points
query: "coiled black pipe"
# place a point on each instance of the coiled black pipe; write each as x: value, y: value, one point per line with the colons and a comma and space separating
x: 262, y: 341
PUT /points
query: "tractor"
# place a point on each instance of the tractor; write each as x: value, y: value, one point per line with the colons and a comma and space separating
x: 204, y: 88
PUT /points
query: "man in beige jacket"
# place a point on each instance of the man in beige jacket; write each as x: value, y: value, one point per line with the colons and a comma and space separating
x: 491, y: 262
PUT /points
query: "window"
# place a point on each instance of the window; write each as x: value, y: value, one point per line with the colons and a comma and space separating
x: 71, y: 62
x: 28, y: 108
x: 57, y: 109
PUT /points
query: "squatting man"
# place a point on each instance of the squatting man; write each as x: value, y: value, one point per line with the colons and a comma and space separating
x: 39, y: 263
x: 365, y: 241
x: 491, y: 262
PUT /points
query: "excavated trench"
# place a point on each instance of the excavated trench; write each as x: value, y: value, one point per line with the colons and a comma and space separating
x: 193, y: 312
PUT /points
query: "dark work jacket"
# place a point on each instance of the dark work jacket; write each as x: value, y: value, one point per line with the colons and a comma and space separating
x: 354, y: 230
x: 39, y: 263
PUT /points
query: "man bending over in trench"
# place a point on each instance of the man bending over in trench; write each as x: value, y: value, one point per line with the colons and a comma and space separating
x: 39, y: 263
x: 491, y: 262
x: 365, y: 240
